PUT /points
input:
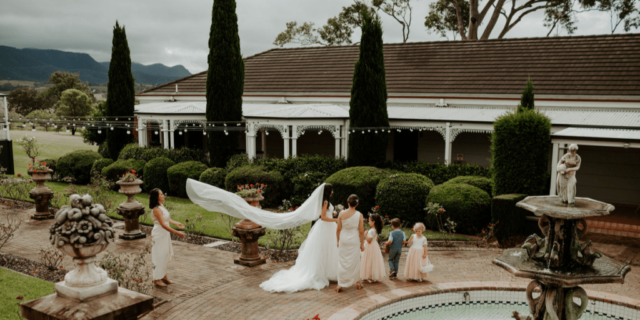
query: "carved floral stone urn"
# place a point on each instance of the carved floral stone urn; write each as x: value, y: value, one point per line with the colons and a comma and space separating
x: 131, y: 210
x: 249, y: 232
x: 41, y: 194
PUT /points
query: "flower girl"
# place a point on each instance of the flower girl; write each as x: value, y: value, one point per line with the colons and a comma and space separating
x: 417, y: 264
x: 372, y: 265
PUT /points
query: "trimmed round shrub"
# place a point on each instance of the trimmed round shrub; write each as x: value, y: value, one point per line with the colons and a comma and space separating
x: 214, y: 177
x: 155, y: 173
x: 77, y: 164
x: 304, y: 184
x: 251, y: 174
x: 402, y: 196
x: 483, y: 183
x: 98, y: 165
x: 114, y: 171
x: 362, y: 181
x: 469, y: 207
x: 178, y: 174
x: 134, y: 151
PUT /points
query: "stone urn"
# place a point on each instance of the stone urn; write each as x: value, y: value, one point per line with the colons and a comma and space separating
x: 249, y: 232
x: 41, y: 194
x: 131, y: 210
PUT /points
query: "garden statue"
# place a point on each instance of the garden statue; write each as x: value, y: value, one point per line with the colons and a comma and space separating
x: 131, y: 210
x: 40, y: 173
x: 567, y: 167
x: 82, y: 230
x: 248, y: 231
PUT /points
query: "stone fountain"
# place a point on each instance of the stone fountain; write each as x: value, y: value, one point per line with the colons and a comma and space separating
x: 558, y: 262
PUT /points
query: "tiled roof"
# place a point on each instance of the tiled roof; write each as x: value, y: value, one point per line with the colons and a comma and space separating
x: 585, y: 65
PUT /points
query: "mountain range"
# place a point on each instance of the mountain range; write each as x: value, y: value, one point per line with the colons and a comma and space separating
x: 39, y: 64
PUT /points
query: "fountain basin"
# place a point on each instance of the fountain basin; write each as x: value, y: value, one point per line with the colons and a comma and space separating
x: 552, y: 206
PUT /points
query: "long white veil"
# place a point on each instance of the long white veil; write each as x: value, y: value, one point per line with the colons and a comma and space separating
x: 219, y: 200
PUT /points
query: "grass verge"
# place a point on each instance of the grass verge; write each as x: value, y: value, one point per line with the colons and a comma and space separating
x: 15, y: 284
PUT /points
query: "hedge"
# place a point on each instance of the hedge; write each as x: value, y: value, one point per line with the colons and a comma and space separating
x: 214, y: 177
x: 520, y: 153
x: 467, y: 206
x: 51, y: 163
x: 479, y: 182
x: 178, y: 174
x: 251, y: 174
x: 134, y: 151
x: 304, y: 184
x: 437, y: 172
x: 100, y: 164
x: 155, y: 174
x: 77, y: 164
x: 509, y: 218
x: 402, y: 196
x: 114, y: 171
x: 362, y: 181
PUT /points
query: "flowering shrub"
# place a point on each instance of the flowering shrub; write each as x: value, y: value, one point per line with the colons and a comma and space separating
x: 251, y: 190
x: 192, y: 234
x: 282, y: 241
x: 133, y: 271
x: 446, y: 227
x: 129, y: 176
x: 51, y: 258
x: 31, y: 146
x: 38, y: 166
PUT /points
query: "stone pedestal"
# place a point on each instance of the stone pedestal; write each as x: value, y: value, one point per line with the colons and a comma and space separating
x: 41, y: 194
x: 123, y: 304
x: 249, y: 233
x: 131, y: 210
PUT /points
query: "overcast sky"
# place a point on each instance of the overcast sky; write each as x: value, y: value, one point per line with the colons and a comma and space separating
x: 176, y: 32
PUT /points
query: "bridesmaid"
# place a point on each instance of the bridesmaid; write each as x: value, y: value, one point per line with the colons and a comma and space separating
x: 350, y: 234
x: 162, y: 250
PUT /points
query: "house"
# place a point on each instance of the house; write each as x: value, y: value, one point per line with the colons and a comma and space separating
x: 442, y: 100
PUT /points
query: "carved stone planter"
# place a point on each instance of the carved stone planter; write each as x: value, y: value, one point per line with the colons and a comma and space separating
x: 249, y: 232
x: 41, y: 194
x: 131, y: 210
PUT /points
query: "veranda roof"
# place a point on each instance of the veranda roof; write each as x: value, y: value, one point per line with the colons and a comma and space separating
x: 599, y: 134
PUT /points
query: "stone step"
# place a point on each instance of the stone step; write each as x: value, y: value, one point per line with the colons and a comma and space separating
x: 614, y: 228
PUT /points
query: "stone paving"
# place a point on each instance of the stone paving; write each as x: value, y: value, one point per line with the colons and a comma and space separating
x: 209, y: 286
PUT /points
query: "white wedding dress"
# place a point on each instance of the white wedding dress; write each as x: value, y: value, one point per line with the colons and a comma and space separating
x: 317, y: 261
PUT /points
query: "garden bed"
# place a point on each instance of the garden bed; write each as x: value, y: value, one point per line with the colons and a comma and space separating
x: 31, y: 268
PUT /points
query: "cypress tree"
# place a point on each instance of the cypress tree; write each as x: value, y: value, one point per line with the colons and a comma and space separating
x: 527, y: 100
x: 225, y: 80
x: 368, y: 105
x: 120, y: 91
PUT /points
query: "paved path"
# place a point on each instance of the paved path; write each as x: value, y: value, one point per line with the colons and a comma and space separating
x: 209, y: 286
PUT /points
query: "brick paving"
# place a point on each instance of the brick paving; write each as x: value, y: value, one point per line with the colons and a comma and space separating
x: 209, y: 286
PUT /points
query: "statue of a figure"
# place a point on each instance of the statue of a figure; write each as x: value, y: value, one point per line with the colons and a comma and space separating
x: 567, y: 167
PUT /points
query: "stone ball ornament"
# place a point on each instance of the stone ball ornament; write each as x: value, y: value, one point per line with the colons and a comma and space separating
x: 81, y: 224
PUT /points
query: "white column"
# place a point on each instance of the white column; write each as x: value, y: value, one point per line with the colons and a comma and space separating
x: 6, y: 118
x: 337, y: 138
x: 251, y: 142
x: 285, y: 137
x: 165, y: 134
x: 345, y: 140
x: 294, y: 141
x: 172, y: 132
x: 554, y: 169
x: 447, y: 145
x: 141, y: 133
x: 264, y: 143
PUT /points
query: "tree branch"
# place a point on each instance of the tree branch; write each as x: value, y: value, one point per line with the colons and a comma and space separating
x: 455, y: 4
x: 509, y: 26
x: 493, y: 20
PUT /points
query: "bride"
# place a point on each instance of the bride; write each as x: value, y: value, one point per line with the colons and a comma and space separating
x: 317, y: 261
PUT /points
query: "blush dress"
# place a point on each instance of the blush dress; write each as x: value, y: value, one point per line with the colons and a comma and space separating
x: 415, y: 260
x: 372, y: 264
x: 162, y: 250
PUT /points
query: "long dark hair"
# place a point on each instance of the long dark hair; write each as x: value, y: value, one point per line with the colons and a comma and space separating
x: 153, y: 198
x: 378, y: 220
x: 326, y: 195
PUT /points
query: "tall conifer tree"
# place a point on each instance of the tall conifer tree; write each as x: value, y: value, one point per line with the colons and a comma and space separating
x: 120, y: 91
x: 225, y: 80
x: 369, y: 97
x: 527, y: 100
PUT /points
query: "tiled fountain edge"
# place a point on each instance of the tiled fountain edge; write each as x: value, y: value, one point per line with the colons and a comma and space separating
x: 364, y: 306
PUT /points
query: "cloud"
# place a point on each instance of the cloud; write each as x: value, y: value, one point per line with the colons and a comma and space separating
x: 176, y: 32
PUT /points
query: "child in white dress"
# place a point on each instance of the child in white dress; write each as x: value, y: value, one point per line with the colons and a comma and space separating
x: 417, y: 254
x: 372, y: 264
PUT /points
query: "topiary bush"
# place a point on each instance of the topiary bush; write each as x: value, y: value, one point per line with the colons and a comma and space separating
x: 251, y: 174
x: 520, y: 153
x: 77, y: 164
x: 362, y: 181
x: 237, y: 161
x: 466, y: 205
x: 134, y: 151
x: 178, y: 174
x: 509, y: 218
x: 114, y: 171
x: 214, y: 177
x: 402, y: 196
x: 483, y: 183
x: 100, y: 164
x: 304, y: 184
x: 51, y: 163
x: 155, y: 173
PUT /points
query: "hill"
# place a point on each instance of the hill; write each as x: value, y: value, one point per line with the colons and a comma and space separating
x: 38, y: 65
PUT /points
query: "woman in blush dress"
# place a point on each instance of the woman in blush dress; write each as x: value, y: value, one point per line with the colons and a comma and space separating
x: 162, y: 250
x: 350, y: 235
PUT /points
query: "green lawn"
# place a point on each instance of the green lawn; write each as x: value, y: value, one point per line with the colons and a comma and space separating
x: 53, y: 146
x: 15, y: 284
